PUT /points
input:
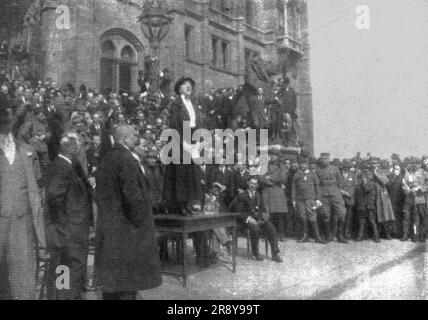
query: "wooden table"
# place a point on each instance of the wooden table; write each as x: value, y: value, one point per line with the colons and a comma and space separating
x: 183, y: 225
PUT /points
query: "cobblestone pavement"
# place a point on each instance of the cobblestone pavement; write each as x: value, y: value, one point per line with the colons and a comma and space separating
x: 365, y: 270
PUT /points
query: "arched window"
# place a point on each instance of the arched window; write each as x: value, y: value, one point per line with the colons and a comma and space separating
x: 125, y: 69
x: 127, y: 55
x: 121, y: 57
x: 108, y: 49
x: 108, y: 72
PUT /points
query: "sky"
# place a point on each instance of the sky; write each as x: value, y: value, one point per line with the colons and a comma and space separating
x: 370, y: 87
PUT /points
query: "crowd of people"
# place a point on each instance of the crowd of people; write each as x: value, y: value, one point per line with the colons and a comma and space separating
x: 100, y: 168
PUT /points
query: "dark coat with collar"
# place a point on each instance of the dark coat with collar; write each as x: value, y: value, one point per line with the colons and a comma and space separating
x: 212, y: 112
x: 247, y: 206
x: 126, y: 257
x: 182, y: 181
x: 179, y: 114
x: 260, y: 112
x: 68, y: 193
x: 68, y: 217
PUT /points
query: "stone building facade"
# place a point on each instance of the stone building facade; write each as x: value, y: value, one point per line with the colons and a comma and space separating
x: 209, y: 40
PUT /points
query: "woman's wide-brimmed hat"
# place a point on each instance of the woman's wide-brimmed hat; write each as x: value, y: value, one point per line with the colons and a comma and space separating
x: 180, y: 82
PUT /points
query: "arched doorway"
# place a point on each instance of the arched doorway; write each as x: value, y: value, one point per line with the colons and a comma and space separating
x: 108, y: 68
x: 121, y: 57
x: 126, y: 66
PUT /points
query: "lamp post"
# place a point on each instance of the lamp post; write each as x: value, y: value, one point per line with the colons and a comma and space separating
x: 155, y: 25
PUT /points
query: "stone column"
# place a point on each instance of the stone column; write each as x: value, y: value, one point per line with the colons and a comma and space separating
x: 241, y: 51
x: 176, y: 41
x: 205, y: 44
x: 304, y: 88
x: 286, y: 35
x: 87, y: 44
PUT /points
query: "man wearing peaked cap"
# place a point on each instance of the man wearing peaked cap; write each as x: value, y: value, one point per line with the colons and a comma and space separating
x: 305, y: 199
x: 331, y: 198
x: 336, y: 162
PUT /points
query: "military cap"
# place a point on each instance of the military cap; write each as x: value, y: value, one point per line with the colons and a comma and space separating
x: 395, y: 156
x: 304, y: 154
x: 312, y: 160
x: 347, y: 163
x: 303, y: 160
x: 384, y: 164
x: 336, y: 162
x: 373, y: 160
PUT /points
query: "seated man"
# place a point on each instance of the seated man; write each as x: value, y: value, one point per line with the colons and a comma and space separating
x: 250, y: 205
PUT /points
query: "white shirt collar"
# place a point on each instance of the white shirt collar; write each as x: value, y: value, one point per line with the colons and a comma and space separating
x: 189, y: 107
x: 65, y: 158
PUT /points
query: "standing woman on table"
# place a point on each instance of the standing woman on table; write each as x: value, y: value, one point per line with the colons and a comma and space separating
x: 183, y: 181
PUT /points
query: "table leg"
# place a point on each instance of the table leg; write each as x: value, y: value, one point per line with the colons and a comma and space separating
x: 234, y: 249
x: 183, y: 258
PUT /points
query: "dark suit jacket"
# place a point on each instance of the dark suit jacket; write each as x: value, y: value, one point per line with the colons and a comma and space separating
x: 238, y: 181
x: 56, y: 128
x: 249, y: 207
x: 93, y: 158
x: 289, y: 101
x: 68, y: 201
x: 95, y: 132
x: 127, y: 258
x: 164, y: 85
x: 179, y: 114
x: 154, y: 179
x: 260, y: 112
x: 212, y: 110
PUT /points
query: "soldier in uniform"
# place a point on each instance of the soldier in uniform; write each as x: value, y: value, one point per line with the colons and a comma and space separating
x: 331, y: 198
x: 305, y: 198
x: 350, y: 181
x: 415, y: 205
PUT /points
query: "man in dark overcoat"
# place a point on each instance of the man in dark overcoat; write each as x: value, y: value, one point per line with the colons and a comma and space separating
x: 68, y: 217
x: 126, y: 254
